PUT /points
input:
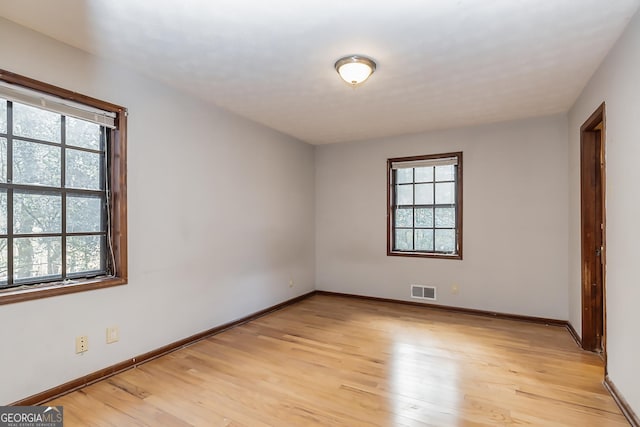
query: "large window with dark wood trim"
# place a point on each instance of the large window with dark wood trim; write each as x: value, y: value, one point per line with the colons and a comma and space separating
x: 425, y: 206
x: 62, y: 189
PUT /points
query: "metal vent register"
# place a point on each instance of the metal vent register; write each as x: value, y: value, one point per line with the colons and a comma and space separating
x: 423, y: 292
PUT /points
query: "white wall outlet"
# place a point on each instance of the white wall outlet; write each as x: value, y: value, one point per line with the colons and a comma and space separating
x: 291, y: 283
x: 82, y: 344
x: 113, y: 334
x: 455, y: 289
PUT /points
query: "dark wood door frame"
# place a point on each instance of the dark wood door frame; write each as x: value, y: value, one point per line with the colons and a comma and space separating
x: 592, y: 202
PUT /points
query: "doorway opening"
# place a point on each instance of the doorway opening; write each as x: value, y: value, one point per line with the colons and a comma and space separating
x: 592, y: 192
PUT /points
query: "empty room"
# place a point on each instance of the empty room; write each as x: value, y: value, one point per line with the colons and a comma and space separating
x: 314, y: 213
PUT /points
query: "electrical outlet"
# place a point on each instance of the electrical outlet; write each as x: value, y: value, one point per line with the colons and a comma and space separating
x: 291, y: 283
x: 82, y: 344
x: 113, y: 334
x: 454, y: 289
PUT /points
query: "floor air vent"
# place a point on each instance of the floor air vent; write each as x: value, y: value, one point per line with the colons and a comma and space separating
x: 423, y: 292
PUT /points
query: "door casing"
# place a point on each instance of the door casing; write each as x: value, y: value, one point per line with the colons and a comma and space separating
x: 593, y: 228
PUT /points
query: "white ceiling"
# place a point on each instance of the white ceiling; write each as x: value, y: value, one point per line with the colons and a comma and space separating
x: 441, y: 63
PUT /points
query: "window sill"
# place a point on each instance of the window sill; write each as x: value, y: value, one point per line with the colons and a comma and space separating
x: 12, y: 295
x: 425, y: 255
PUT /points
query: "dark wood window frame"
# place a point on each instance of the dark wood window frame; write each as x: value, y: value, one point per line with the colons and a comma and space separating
x: 117, y: 156
x: 391, y: 204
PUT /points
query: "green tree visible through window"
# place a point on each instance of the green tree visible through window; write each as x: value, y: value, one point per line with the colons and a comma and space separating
x: 53, y: 196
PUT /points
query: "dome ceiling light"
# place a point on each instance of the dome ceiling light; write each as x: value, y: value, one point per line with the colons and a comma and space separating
x: 355, y: 69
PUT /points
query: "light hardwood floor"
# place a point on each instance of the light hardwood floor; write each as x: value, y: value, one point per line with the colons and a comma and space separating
x: 335, y: 361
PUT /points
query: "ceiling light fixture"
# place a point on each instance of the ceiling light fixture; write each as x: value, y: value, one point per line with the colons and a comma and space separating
x: 355, y: 69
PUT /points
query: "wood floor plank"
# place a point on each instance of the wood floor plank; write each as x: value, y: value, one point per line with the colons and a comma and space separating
x: 337, y: 361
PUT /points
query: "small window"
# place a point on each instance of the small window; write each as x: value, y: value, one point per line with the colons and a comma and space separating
x: 62, y: 191
x: 425, y: 206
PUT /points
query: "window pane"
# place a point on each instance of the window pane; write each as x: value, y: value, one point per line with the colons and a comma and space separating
x: 446, y: 217
x: 83, y: 253
x: 84, y: 214
x: 4, y: 272
x: 424, y: 194
x: 425, y: 211
x: 3, y: 159
x: 404, y: 240
x: 445, y: 173
x: 82, y: 133
x: 424, y: 217
x: 424, y: 174
x: 35, y: 257
x: 445, y: 240
x: 3, y: 211
x: 36, y: 213
x: 404, y: 217
x: 404, y: 176
x: 424, y: 240
x: 445, y: 193
x: 82, y: 170
x: 3, y: 116
x: 404, y: 195
x: 36, y: 164
x: 35, y: 123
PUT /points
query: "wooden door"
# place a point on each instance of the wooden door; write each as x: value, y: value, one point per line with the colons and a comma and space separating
x: 593, y: 231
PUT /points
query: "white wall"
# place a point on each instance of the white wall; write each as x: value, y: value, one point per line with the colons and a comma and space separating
x: 515, y: 219
x: 617, y: 83
x: 221, y: 216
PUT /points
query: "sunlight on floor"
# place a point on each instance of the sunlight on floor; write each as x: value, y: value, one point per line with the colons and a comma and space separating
x: 416, y: 380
